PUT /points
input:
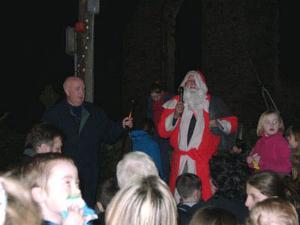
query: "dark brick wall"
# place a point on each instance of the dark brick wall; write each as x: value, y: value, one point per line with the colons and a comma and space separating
x: 239, y: 52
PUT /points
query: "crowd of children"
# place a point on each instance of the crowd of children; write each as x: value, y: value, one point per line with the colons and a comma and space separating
x: 259, y: 187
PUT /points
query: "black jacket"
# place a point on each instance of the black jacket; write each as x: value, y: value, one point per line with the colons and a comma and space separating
x: 83, y: 137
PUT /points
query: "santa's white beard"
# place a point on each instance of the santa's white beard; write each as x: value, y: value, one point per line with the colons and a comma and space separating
x: 193, y: 97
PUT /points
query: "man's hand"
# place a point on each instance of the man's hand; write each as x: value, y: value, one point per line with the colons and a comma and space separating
x: 127, y: 122
x: 178, y: 110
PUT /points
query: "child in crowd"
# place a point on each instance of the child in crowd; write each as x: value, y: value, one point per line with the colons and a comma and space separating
x: 157, y: 97
x: 263, y: 185
x: 293, y: 181
x: 273, y: 211
x: 188, y: 186
x: 145, y: 200
x: 42, y: 138
x: 229, y: 173
x: 268, y: 184
x: 53, y: 181
x: 106, y: 192
x: 293, y: 137
x: 271, y: 151
x: 132, y: 165
x: 213, y: 216
x: 143, y: 141
x: 16, y: 204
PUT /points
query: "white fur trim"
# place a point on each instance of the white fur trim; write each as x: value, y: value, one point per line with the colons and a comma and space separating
x: 169, y: 122
x: 191, y: 168
x: 189, y: 162
x: 171, y: 104
x: 199, y: 82
x: 184, y: 127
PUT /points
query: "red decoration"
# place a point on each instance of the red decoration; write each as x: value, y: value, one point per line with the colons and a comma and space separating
x: 80, y: 27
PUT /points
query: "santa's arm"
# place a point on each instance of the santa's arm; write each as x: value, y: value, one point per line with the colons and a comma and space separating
x: 167, y: 123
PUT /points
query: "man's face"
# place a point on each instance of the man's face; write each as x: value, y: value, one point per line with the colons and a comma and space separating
x: 62, y: 182
x: 190, y: 83
x: 75, y: 92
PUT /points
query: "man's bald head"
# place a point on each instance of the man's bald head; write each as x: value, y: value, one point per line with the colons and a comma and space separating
x: 74, y: 89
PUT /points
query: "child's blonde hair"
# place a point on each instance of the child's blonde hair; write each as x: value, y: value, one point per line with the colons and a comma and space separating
x: 145, y: 200
x: 19, y: 209
x: 37, y: 172
x: 260, y: 129
x: 273, y: 211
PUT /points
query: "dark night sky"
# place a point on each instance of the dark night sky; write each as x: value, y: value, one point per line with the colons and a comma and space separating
x: 33, y: 46
x: 34, y: 49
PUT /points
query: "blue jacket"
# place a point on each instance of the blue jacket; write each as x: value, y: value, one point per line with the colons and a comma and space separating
x: 143, y: 142
x: 83, y: 139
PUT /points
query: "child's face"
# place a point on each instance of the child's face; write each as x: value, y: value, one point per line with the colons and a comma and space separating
x: 292, y: 141
x: 253, y: 196
x: 57, y: 144
x: 155, y: 96
x: 62, y: 182
x: 271, y: 124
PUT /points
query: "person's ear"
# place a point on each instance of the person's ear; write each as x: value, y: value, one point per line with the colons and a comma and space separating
x: 38, y: 194
x: 67, y: 92
x: 100, y: 206
x: 197, y: 195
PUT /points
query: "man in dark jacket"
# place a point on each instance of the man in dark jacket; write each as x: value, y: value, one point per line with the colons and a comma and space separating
x: 85, y: 127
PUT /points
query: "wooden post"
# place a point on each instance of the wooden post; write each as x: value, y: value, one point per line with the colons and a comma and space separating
x: 85, y: 49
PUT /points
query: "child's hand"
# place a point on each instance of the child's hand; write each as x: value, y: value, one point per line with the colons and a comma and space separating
x: 256, y: 157
x: 75, y: 216
x: 249, y: 159
x: 253, y: 160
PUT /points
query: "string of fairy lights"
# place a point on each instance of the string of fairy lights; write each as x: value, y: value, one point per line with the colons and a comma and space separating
x: 83, y: 36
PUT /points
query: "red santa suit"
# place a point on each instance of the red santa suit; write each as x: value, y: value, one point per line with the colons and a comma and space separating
x: 194, y: 155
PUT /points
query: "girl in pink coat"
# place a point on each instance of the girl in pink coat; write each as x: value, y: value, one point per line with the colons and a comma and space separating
x: 271, y: 151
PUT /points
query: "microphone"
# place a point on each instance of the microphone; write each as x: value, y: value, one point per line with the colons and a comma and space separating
x: 181, y: 91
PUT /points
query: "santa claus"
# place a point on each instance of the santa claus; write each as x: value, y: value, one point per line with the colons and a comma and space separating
x: 189, y: 124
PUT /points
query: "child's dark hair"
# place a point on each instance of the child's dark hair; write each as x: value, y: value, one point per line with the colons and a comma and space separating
x: 230, y: 173
x: 186, y: 183
x: 293, y: 130
x: 211, y: 215
x: 42, y: 133
x: 156, y: 87
x: 107, y: 191
x: 268, y: 183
